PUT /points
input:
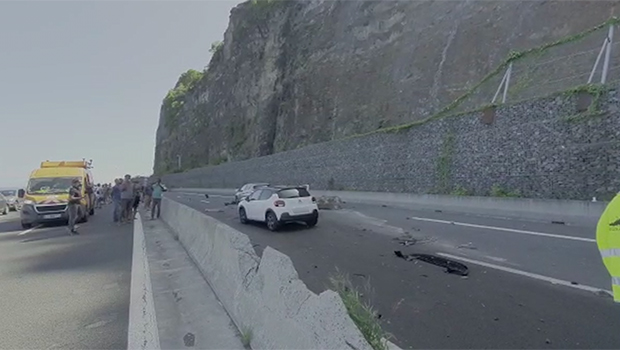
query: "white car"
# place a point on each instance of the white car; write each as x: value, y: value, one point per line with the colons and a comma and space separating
x: 277, y: 206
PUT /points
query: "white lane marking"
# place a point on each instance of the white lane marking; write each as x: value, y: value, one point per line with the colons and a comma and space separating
x: 220, y: 196
x: 533, y: 233
x: 204, y: 201
x: 190, y: 194
x: 142, y: 332
x: 27, y: 231
x: 526, y: 274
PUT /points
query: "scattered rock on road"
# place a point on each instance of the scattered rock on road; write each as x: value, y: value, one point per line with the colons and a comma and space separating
x: 329, y: 203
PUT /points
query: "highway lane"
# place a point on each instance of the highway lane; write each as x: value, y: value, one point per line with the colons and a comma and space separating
x: 65, y: 292
x: 422, y: 306
x: 560, y: 251
x: 566, y: 252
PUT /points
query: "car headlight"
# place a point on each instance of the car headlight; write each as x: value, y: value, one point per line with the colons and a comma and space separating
x: 28, y: 202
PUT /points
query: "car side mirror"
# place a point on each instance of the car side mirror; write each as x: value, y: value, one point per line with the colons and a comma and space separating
x: 21, y: 193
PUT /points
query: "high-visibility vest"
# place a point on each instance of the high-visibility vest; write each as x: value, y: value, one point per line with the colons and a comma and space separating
x: 608, y: 241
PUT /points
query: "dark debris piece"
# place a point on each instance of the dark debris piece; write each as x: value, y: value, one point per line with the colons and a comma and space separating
x: 189, y: 340
x: 451, y: 266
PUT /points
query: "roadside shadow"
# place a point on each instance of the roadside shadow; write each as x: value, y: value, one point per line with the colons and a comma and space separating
x: 35, y: 235
x: 99, y: 245
x: 292, y: 227
x: 10, y: 226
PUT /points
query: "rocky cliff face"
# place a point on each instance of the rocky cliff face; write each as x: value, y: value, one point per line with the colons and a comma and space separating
x: 293, y: 73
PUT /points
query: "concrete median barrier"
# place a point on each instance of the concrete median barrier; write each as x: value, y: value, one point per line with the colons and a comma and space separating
x: 263, y: 295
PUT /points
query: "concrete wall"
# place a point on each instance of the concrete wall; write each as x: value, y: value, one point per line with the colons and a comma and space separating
x: 533, y: 148
x: 263, y: 295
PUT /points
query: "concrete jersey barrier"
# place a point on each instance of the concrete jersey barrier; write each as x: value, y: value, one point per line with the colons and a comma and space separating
x: 263, y: 295
x: 568, y: 211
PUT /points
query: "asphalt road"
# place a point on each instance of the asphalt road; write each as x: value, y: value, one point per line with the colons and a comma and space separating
x: 424, y: 307
x: 65, y: 292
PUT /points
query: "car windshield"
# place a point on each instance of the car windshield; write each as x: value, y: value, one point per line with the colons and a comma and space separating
x: 294, y: 193
x: 9, y: 193
x: 51, y: 185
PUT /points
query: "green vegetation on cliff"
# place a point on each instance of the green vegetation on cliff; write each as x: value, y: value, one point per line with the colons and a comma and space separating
x: 175, y: 99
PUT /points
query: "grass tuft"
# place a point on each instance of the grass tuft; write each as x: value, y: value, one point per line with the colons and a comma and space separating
x: 361, y: 312
x: 246, y: 337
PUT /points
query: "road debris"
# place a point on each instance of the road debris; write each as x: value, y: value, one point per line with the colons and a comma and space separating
x: 451, y: 266
x: 189, y: 340
x: 406, y: 241
x: 329, y: 203
x: 469, y: 245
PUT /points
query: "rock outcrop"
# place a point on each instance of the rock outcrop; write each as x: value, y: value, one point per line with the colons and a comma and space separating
x: 299, y: 72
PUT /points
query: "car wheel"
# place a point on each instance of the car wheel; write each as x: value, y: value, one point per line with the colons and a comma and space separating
x: 243, y: 218
x: 26, y: 226
x: 313, y: 222
x: 272, y: 221
x: 6, y: 210
x: 91, y: 211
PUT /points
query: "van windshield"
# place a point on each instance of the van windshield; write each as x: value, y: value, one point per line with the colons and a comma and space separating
x: 49, y: 185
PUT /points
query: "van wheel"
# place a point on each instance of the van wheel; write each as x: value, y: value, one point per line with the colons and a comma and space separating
x: 272, y: 221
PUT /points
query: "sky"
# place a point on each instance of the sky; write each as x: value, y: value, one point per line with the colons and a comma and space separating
x: 85, y: 79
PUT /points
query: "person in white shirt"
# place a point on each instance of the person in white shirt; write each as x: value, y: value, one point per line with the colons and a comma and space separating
x: 98, y: 196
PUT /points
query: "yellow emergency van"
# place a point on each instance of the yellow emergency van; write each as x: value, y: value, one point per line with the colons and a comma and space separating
x: 47, y: 195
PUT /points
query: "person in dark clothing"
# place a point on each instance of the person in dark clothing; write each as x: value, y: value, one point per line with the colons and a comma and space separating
x: 116, y: 200
x: 73, y: 207
x: 136, y: 201
x: 148, y: 195
x: 127, y: 199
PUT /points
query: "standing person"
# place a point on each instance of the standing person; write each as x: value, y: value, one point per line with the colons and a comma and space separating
x: 75, y: 197
x: 158, y: 192
x: 116, y: 200
x: 127, y: 199
x: 98, y: 195
x: 108, y: 192
x: 136, y: 200
x: 148, y: 195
